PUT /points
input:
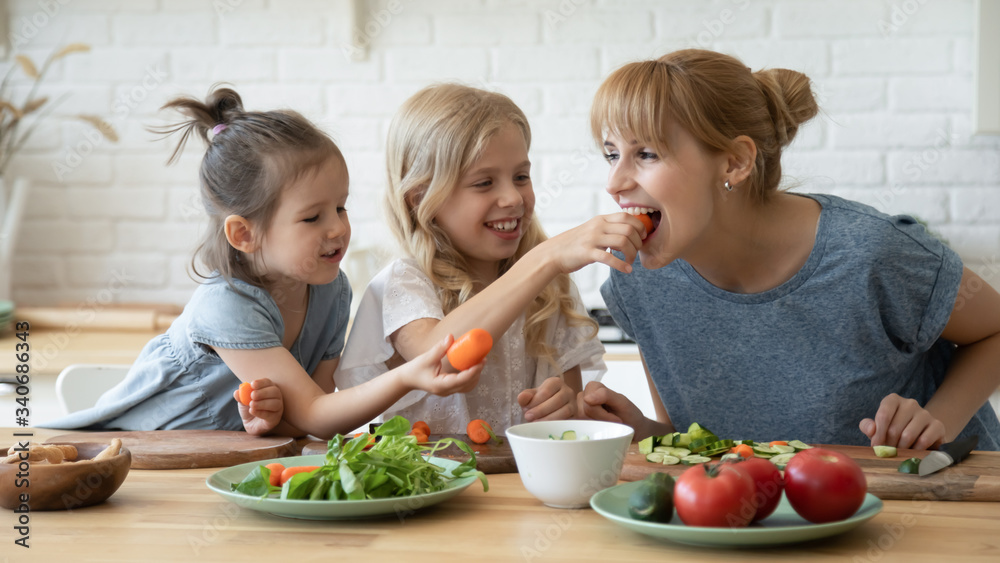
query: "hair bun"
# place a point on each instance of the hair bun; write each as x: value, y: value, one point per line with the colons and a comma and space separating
x: 790, y: 100
x: 224, y: 104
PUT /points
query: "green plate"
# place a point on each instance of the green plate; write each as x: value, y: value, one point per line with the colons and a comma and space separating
x: 782, y: 527
x: 331, y: 509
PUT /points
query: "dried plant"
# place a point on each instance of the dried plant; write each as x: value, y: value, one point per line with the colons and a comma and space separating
x: 19, y: 121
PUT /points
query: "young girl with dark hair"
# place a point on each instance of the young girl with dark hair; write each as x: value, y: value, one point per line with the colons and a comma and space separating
x: 274, y: 305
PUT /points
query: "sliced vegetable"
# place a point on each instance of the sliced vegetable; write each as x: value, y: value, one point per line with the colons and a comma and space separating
x: 781, y: 460
x: 480, y: 432
x: 799, y: 445
x: 885, y: 451
x: 742, y: 450
x: 245, y: 390
x: 695, y: 459
x: 911, y: 465
x: 646, y: 445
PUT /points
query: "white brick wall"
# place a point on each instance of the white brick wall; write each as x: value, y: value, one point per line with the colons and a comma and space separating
x: 894, y: 80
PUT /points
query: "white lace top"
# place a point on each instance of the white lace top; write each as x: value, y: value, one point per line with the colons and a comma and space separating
x: 400, y: 294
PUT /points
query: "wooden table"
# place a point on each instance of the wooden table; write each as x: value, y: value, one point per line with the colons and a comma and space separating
x: 173, y: 516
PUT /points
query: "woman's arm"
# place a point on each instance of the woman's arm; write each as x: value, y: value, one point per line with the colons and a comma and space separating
x: 974, y: 373
x: 498, y: 305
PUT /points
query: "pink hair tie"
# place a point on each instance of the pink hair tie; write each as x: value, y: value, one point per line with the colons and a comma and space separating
x: 218, y: 129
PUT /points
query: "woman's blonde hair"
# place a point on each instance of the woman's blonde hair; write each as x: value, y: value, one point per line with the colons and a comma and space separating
x: 714, y: 97
x: 251, y: 155
x: 434, y: 139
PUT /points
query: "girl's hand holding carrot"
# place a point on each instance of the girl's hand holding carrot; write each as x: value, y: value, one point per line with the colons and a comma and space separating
x: 263, y: 411
x: 424, y: 372
x: 590, y: 242
x: 552, y: 400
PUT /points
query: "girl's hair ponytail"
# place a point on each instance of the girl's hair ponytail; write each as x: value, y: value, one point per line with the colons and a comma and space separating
x: 251, y: 156
x: 222, y: 106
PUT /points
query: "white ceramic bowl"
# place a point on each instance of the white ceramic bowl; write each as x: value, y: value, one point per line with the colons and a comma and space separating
x: 566, y: 473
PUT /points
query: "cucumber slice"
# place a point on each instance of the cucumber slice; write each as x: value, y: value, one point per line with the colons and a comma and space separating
x: 799, y: 445
x: 701, y: 444
x: 667, y: 439
x: 695, y: 459
x: 646, y: 445
x: 781, y: 460
x: 783, y: 449
x: 670, y: 460
x: 569, y: 435
x: 911, y: 465
x: 663, y: 449
x: 885, y: 451
x: 679, y: 452
x: 655, y: 457
x: 681, y: 440
x: 762, y: 456
x: 698, y: 431
x: 766, y: 450
x: 715, y: 451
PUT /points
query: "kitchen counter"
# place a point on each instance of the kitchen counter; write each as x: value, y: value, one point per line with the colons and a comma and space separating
x: 171, y: 515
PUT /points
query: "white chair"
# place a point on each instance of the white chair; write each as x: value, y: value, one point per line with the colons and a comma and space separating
x: 80, y: 385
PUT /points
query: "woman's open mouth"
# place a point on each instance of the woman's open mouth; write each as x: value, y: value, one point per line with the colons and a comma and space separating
x: 653, y: 215
x: 332, y: 256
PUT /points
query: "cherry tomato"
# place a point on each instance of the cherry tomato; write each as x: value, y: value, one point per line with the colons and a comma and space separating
x: 824, y: 485
x: 767, y: 485
x: 719, y: 496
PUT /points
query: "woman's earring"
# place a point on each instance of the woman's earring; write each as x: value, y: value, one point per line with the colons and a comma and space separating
x: 728, y: 186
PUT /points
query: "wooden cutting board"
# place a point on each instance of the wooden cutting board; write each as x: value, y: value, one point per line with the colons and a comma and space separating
x: 976, y: 478
x: 188, y: 449
x: 490, y: 457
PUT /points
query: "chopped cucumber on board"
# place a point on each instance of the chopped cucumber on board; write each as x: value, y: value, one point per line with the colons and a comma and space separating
x: 885, y: 451
x: 700, y: 445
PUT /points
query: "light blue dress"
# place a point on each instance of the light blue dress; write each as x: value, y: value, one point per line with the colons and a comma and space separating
x: 178, y: 382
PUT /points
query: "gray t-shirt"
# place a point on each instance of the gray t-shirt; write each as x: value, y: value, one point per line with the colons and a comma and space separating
x: 810, y: 358
x: 179, y: 382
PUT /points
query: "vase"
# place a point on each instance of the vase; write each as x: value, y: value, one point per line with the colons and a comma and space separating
x: 13, y: 196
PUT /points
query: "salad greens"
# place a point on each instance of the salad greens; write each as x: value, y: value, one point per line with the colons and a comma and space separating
x: 394, y: 467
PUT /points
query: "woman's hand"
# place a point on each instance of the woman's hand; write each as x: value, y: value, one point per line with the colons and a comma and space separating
x: 424, y: 372
x: 552, y: 400
x: 903, y: 423
x: 591, y: 242
x: 265, y: 409
x: 597, y: 402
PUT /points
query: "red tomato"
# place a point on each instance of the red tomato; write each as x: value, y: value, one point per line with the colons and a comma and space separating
x: 767, y: 485
x: 718, y: 496
x: 824, y: 485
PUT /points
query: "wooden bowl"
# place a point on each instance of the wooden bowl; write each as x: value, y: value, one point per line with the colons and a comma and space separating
x: 66, y: 485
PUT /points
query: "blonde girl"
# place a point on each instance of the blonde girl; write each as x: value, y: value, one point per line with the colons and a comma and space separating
x: 766, y: 314
x: 460, y: 204
x: 273, y: 308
